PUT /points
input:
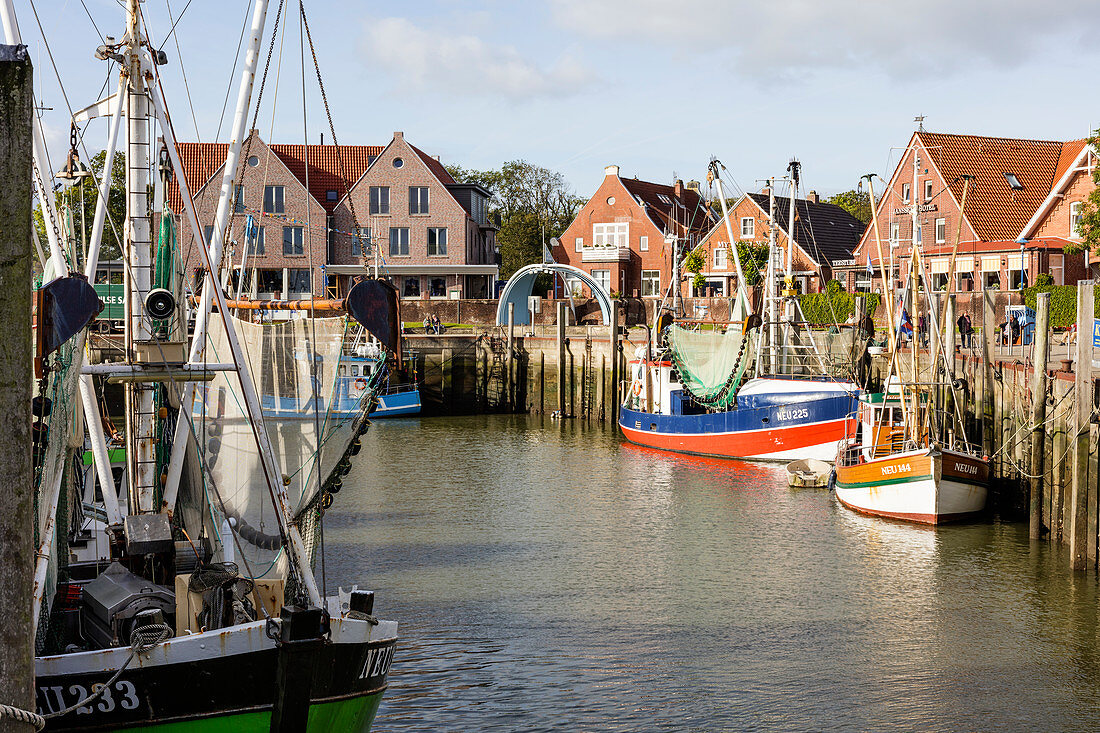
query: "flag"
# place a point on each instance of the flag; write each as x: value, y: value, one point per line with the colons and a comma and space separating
x: 906, y: 326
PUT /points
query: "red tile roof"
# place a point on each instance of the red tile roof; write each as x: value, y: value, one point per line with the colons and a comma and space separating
x: 202, y: 160
x: 1004, y: 245
x: 693, y: 217
x: 325, y: 167
x: 435, y: 167
x: 994, y: 209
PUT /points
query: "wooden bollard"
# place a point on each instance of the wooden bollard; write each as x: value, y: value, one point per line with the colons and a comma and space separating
x: 1038, y: 413
x: 1082, y: 388
x: 561, y: 359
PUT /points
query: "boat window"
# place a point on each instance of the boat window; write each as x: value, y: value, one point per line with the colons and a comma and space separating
x: 342, y: 370
x: 896, y: 418
x: 101, y: 277
x: 116, y: 278
x: 355, y: 370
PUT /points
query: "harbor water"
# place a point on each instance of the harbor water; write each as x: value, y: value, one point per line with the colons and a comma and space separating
x: 547, y: 576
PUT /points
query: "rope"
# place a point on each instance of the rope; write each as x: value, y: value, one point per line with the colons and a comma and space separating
x: 23, y: 716
x: 142, y: 639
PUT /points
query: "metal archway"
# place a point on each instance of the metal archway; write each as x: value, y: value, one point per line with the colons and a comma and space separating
x: 522, y: 282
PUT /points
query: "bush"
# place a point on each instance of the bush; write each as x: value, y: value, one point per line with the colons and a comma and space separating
x: 1063, y: 303
x: 834, y: 305
x: 1044, y: 280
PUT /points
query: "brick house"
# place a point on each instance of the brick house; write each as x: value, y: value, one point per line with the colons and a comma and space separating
x: 1015, y: 225
x: 432, y: 235
x: 626, y: 234
x: 823, y: 235
x: 303, y: 239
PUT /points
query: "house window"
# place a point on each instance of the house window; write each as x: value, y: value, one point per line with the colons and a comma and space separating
x: 748, y: 227
x: 298, y: 281
x: 1017, y: 275
x: 1057, y: 268
x: 331, y: 195
x: 991, y: 271
x: 292, y: 241
x: 578, y: 243
x: 1075, y: 212
x: 965, y: 282
x: 720, y: 253
x: 380, y: 200
x: 269, y: 282
x: 941, y: 231
x: 643, y: 244
x: 574, y: 286
x: 905, y: 192
x: 611, y: 235
x: 399, y: 241
x: 273, y: 200
x: 360, y: 243
x: 895, y: 232
x: 412, y: 288
x: 437, y: 241
x: 437, y: 287
x: 238, y: 199
x: 603, y: 277
x: 651, y: 283
x: 664, y: 199
x: 256, y: 246
x: 418, y: 199
x: 928, y: 190
x: 207, y: 234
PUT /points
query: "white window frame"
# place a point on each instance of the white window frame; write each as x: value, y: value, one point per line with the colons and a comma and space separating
x: 941, y: 230
x: 278, y: 199
x: 395, y: 233
x: 750, y: 232
x: 652, y: 278
x: 643, y: 243
x: 927, y: 191
x: 1060, y: 268
x: 297, y: 241
x: 603, y: 278
x: 578, y: 244
x: 379, y: 204
x: 611, y: 234
x: 1075, y: 219
x: 439, y: 252
x: 419, y: 205
x: 905, y: 193
x: 895, y: 232
x: 720, y: 257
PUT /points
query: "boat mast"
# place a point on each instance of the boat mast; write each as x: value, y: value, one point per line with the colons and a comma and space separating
x: 140, y: 422
x: 914, y: 297
x: 788, y: 280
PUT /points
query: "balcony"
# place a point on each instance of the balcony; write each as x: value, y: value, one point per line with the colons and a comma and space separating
x: 592, y: 253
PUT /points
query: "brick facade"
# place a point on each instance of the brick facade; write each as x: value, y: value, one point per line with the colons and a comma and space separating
x: 640, y: 264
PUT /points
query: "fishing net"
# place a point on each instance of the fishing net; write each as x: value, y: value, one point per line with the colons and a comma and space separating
x: 294, y: 367
x: 710, y: 364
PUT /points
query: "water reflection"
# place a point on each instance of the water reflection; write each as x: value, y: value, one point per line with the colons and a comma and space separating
x: 548, y: 577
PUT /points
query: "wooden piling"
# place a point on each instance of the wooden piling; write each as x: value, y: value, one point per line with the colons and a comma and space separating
x: 510, y: 360
x: 1082, y: 411
x: 615, y: 359
x: 561, y: 358
x: 542, y: 382
x: 17, y: 519
x: 988, y: 326
x: 949, y: 337
x: 1038, y: 413
x: 603, y: 387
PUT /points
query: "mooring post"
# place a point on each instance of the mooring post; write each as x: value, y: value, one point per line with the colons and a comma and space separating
x: 17, y: 499
x: 949, y: 336
x: 542, y: 382
x: 1082, y: 395
x: 614, y: 344
x: 1038, y: 413
x: 561, y: 358
x: 603, y: 387
x: 510, y: 383
x: 988, y: 335
x: 301, y: 635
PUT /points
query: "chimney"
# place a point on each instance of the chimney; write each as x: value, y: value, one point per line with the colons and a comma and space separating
x: 693, y: 186
x: 398, y: 135
x: 813, y: 198
x: 678, y: 188
x: 611, y: 170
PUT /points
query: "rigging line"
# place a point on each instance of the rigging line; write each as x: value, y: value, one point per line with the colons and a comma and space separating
x: 312, y: 300
x: 98, y: 32
x: 183, y: 71
x: 233, y: 71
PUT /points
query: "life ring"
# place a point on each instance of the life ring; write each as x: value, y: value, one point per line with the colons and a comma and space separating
x: 637, y: 389
x: 360, y: 383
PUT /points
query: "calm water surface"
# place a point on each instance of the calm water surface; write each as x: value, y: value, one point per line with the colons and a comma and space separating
x: 547, y: 576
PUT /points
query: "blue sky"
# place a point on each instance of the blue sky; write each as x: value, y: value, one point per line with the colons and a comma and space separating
x: 657, y: 87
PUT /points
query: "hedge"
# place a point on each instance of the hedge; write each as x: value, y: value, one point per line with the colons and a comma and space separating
x: 1063, y: 303
x: 815, y: 306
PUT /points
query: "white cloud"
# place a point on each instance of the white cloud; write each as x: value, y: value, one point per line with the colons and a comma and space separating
x: 792, y: 37
x: 442, y: 60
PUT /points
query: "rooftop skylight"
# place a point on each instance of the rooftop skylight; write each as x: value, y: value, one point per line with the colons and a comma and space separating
x: 1013, y: 182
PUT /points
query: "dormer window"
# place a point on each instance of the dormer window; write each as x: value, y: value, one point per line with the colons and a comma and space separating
x: 331, y: 195
x: 664, y: 199
x: 1013, y: 182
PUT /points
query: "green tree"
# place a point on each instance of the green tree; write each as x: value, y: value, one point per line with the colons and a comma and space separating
x: 754, y: 258
x: 535, y: 204
x: 1089, y: 227
x: 87, y: 192
x: 856, y: 203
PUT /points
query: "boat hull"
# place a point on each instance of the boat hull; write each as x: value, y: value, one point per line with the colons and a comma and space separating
x: 922, y: 486
x: 806, y: 428
x: 220, y: 680
x: 397, y: 404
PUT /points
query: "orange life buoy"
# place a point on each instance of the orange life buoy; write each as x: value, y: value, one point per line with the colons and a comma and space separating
x: 360, y: 383
x: 637, y: 389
